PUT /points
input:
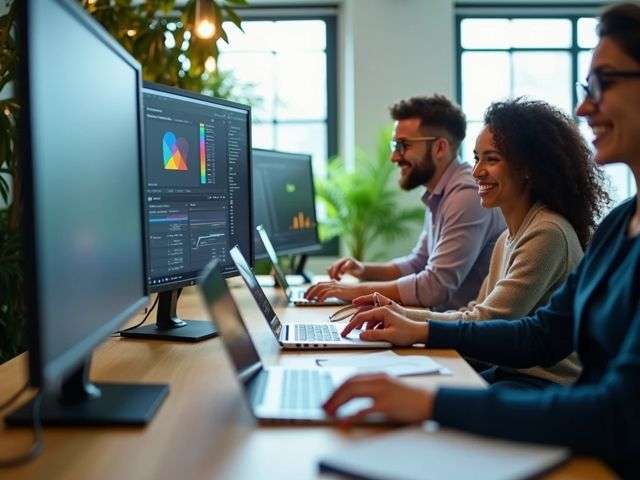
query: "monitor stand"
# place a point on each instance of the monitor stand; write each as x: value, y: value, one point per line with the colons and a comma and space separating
x: 169, y: 327
x: 80, y: 402
x: 299, y: 269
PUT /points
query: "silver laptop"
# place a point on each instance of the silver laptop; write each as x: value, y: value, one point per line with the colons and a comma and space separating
x: 297, y: 335
x: 273, y: 393
x: 295, y: 295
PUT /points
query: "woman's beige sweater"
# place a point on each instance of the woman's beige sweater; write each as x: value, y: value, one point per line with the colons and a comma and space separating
x: 524, y: 271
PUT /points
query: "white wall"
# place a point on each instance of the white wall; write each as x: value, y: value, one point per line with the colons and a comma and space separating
x: 389, y: 50
x: 392, y: 49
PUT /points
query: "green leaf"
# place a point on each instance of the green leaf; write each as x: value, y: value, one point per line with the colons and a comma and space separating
x: 233, y: 17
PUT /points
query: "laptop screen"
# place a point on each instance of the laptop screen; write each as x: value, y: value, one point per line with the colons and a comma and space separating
x: 224, y: 313
x: 271, y: 252
x: 256, y: 290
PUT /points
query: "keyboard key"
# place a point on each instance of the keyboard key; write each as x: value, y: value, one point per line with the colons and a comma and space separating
x: 316, y: 333
x: 305, y: 389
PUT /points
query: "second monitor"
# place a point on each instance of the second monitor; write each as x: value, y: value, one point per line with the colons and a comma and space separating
x: 284, y: 202
x: 198, y: 197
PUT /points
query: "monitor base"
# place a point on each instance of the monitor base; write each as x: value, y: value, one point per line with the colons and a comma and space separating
x: 191, y: 331
x: 117, y: 404
x: 169, y: 327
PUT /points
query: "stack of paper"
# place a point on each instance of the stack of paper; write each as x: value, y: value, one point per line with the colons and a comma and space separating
x: 387, y: 362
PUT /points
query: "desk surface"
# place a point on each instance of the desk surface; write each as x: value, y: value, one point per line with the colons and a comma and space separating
x: 204, y: 430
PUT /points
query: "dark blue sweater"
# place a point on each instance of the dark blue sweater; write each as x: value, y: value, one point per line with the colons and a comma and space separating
x: 595, y: 312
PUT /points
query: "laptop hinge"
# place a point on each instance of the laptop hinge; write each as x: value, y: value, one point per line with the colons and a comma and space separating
x: 250, y: 373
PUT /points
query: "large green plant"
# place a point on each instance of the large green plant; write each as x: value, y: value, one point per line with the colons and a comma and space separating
x: 12, y: 338
x: 158, y: 33
x: 364, y: 205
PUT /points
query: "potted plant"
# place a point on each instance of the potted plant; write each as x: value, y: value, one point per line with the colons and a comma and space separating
x: 363, y: 205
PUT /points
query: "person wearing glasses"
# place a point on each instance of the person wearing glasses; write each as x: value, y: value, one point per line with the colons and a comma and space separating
x: 596, y: 312
x: 548, y: 224
x: 451, y: 258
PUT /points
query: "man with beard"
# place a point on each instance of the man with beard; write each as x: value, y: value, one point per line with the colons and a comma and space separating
x: 451, y: 258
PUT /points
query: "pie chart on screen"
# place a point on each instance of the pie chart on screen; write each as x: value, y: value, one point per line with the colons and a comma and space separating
x: 175, y: 152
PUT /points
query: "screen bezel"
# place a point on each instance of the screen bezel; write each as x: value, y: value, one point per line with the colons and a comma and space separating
x: 232, y: 272
x: 50, y: 375
x: 317, y: 246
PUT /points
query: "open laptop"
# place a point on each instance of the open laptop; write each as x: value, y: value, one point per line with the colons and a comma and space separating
x: 274, y: 393
x: 295, y: 295
x: 297, y: 335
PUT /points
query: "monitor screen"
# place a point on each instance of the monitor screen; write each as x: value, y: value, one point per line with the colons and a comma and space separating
x: 198, y: 184
x: 284, y: 202
x: 81, y: 136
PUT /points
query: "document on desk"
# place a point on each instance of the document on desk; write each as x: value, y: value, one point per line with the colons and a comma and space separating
x: 387, y: 362
x: 420, y: 453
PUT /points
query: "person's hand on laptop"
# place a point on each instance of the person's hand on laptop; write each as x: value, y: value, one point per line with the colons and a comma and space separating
x: 396, y: 400
x: 385, y: 324
x: 373, y: 300
x: 344, y: 291
x: 346, y: 265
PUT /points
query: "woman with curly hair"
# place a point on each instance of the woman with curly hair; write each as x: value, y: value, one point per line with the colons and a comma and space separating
x: 532, y: 163
x: 595, y: 312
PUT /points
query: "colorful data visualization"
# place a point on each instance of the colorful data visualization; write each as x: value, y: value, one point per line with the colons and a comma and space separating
x: 175, y: 152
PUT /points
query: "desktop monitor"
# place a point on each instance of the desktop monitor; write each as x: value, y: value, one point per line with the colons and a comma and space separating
x: 284, y: 202
x: 197, y: 198
x: 81, y: 142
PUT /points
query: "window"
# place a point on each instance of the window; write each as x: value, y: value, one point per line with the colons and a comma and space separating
x: 509, y: 55
x: 291, y: 64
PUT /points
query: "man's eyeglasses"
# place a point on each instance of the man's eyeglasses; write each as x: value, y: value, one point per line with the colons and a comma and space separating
x: 400, y: 145
x: 598, y: 81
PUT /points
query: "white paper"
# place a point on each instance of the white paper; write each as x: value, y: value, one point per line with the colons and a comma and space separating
x: 387, y: 362
x: 421, y: 454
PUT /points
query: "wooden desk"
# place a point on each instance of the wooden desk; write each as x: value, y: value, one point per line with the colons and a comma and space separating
x: 204, y: 429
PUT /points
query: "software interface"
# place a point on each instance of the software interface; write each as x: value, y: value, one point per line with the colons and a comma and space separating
x: 197, y: 185
x: 283, y: 201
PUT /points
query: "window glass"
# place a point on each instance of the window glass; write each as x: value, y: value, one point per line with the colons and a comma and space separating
x: 257, y: 37
x: 301, y: 84
x: 262, y: 80
x: 263, y: 135
x: 286, y: 61
x: 584, y: 61
x: 484, y: 33
x: 544, y: 76
x: 540, y: 33
x: 304, y: 138
x: 587, y: 37
x: 300, y: 35
x: 486, y: 78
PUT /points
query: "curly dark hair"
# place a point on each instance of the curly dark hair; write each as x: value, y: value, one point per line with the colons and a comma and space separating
x: 436, y: 111
x: 621, y: 23
x: 545, y: 147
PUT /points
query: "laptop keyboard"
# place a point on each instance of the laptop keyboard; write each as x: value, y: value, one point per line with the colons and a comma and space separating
x: 305, y: 389
x: 316, y: 333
